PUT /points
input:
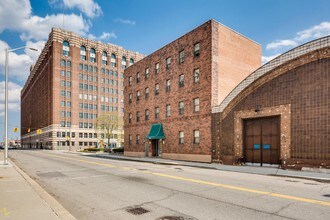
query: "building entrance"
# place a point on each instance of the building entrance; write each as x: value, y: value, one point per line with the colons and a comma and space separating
x: 155, y: 147
x: 262, y: 140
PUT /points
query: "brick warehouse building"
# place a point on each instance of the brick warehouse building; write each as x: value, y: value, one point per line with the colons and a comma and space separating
x: 74, y: 81
x: 280, y: 114
x: 170, y: 93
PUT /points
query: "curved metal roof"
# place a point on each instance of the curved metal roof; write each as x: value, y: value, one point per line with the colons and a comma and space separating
x: 289, y: 55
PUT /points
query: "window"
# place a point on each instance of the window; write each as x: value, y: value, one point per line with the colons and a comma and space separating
x: 63, y: 63
x: 157, y: 113
x: 62, y: 113
x: 63, y: 93
x: 196, y: 50
x: 68, y: 114
x: 168, y: 85
x: 68, y: 74
x: 62, y: 123
x: 181, y: 80
x: 66, y: 48
x: 62, y: 103
x: 130, y: 118
x: 146, y: 90
x: 69, y: 104
x: 137, y: 77
x: 137, y: 95
x: 131, y: 61
x: 83, y: 53
x: 137, y: 116
x: 130, y: 139
x: 62, y: 72
x: 147, y: 114
x: 80, y: 105
x: 81, y: 66
x: 92, y: 55
x: 196, y: 105
x: 181, y: 108
x: 85, y: 67
x: 157, y: 89
x: 123, y: 62
x: 69, y: 64
x: 147, y: 73
x: 168, y: 110
x: 137, y: 139
x: 81, y: 115
x: 181, y: 56
x: 63, y: 83
x: 196, y: 136
x: 157, y: 68
x: 130, y: 96
x: 196, y: 75
x: 113, y: 60
x: 181, y: 137
x: 168, y: 62
x: 130, y: 79
x: 104, y: 58
x: 80, y: 126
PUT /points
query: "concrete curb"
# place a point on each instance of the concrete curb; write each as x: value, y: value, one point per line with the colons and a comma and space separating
x: 319, y: 179
x: 55, y: 206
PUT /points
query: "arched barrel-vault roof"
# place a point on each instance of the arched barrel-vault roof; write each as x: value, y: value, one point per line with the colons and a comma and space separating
x: 306, y: 53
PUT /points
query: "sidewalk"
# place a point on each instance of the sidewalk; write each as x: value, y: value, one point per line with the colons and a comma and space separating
x: 22, y: 198
x: 323, y: 176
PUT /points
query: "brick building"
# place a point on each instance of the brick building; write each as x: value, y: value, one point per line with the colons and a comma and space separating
x: 170, y: 93
x: 74, y: 81
x: 280, y: 114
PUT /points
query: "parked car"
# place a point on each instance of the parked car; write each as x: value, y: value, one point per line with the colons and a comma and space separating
x: 118, y: 149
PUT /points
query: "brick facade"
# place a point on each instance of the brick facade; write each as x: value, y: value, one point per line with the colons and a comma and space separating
x: 298, y: 93
x: 214, y: 63
x: 43, y: 94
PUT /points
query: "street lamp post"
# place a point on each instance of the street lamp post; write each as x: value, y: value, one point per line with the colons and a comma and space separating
x: 7, y: 51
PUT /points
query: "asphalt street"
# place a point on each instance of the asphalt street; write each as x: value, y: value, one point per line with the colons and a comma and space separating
x: 97, y: 188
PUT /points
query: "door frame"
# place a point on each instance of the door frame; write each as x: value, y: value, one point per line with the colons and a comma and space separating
x: 283, y: 111
x: 261, y: 134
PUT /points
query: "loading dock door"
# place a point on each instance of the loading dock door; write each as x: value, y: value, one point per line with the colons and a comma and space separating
x: 261, y: 140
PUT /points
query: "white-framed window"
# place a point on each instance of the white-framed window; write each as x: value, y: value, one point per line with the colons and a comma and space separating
x: 137, y: 139
x: 181, y: 56
x: 181, y: 137
x: 147, y: 73
x: 92, y: 55
x: 181, y: 80
x: 82, y: 52
x: 196, y: 75
x: 104, y: 58
x: 66, y: 48
x: 130, y: 118
x: 130, y: 80
x: 157, y: 113
x: 157, y: 68
x: 137, y: 116
x: 123, y: 62
x: 147, y: 113
x: 146, y: 92
x: 181, y: 108
x: 131, y: 61
x: 137, y: 77
x: 196, y: 105
x: 196, y: 136
x: 168, y: 62
x: 168, y: 110
x: 113, y: 60
x: 138, y: 95
x: 196, y: 49
x: 168, y: 85
x: 157, y: 89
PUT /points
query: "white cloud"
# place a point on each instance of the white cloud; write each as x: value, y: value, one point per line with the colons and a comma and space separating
x: 125, y: 21
x: 317, y: 31
x: 281, y: 43
x: 266, y: 59
x: 103, y: 36
x: 14, y: 97
x: 16, y: 15
x: 19, y: 64
x: 90, y: 8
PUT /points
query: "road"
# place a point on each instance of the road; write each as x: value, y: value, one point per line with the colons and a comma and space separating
x: 96, y: 188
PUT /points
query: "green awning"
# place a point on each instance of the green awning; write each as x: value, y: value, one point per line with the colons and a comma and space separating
x: 156, y: 132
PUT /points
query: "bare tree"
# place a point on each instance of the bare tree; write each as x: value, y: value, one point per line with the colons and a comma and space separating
x: 107, y: 124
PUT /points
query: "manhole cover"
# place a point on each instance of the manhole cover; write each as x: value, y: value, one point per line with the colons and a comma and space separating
x: 51, y: 174
x: 137, y: 211
x: 326, y: 195
x: 311, y: 184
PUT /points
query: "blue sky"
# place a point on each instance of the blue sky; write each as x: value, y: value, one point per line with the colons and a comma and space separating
x: 147, y: 25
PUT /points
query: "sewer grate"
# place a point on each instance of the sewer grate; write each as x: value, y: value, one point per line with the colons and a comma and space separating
x: 326, y: 195
x: 292, y: 181
x: 137, y: 211
x: 314, y: 184
x: 171, y: 218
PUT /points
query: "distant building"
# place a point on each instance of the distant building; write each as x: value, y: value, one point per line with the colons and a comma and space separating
x: 74, y: 81
x: 170, y: 93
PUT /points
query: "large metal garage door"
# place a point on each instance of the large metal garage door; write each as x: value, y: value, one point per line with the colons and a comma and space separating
x: 261, y: 140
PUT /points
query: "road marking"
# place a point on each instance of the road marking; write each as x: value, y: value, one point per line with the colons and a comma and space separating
x: 220, y: 185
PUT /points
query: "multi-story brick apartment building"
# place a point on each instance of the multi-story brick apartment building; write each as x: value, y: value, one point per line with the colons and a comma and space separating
x: 170, y: 93
x: 74, y: 81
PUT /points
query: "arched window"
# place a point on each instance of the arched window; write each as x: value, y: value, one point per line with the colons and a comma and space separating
x: 83, y: 53
x: 63, y: 63
x: 123, y: 62
x: 131, y: 61
x: 113, y: 60
x: 92, y: 55
x: 104, y: 58
x: 66, y: 48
